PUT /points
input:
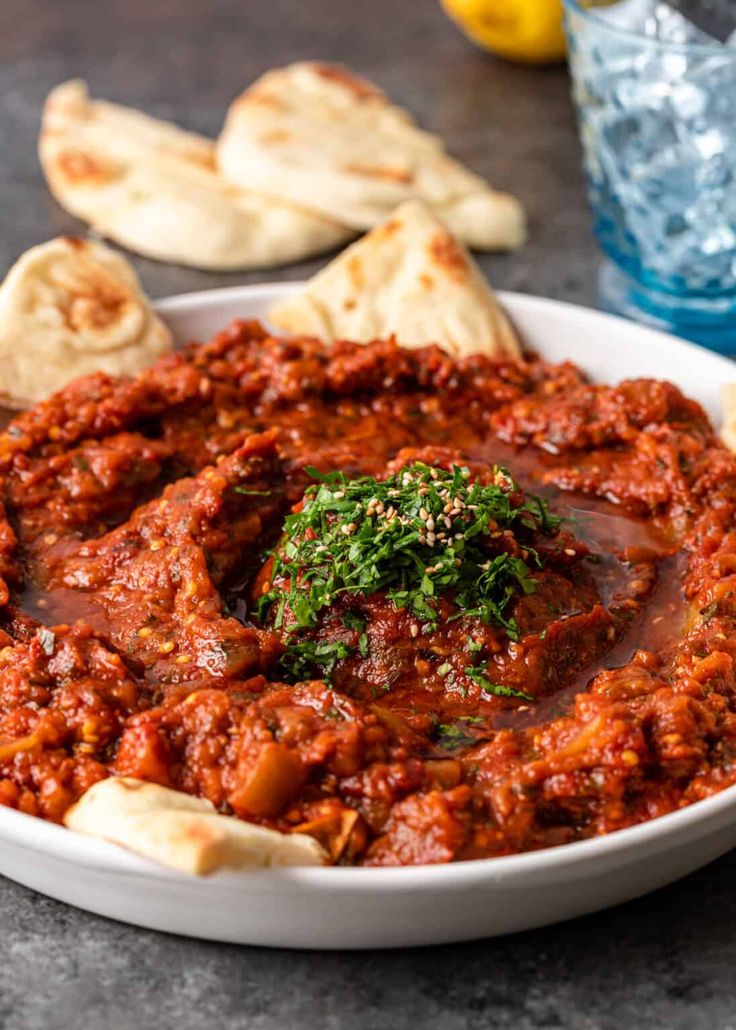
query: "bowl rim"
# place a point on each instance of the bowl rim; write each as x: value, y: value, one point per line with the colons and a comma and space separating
x: 710, y: 813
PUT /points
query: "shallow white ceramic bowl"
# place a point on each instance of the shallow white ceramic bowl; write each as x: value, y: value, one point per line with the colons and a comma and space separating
x: 361, y: 908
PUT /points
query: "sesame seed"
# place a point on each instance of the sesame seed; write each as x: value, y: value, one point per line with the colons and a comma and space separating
x: 414, y: 629
x: 338, y: 495
x: 571, y: 551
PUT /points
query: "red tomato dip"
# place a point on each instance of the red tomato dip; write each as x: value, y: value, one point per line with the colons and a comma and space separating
x: 565, y: 672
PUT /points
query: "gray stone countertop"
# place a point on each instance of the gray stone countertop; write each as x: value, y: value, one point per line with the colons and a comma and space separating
x: 666, y: 961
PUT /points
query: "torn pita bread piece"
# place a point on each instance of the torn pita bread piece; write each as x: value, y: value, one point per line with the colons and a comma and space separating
x: 67, y: 308
x: 154, y: 188
x: 183, y: 832
x: 408, y: 278
x: 318, y: 135
x: 728, y: 413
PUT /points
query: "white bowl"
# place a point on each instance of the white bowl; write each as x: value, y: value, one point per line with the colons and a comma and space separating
x: 366, y: 908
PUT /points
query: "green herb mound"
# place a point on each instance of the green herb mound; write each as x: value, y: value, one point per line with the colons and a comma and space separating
x: 421, y: 533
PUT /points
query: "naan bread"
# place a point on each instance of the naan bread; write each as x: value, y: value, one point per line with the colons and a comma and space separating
x: 183, y: 832
x: 728, y: 411
x: 154, y: 188
x: 318, y: 135
x: 67, y: 308
x: 407, y: 278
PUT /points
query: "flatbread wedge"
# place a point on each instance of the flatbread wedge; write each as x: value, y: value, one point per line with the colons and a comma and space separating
x: 407, y: 278
x: 67, y: 308
x: 319, y: 135
x: 154, y: 188
x: 183, y: 832
x: 728, y: 412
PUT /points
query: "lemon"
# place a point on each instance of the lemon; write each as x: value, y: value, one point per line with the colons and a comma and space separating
x: 522, y: 30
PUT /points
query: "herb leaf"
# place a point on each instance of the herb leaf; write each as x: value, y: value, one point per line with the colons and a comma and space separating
x: 478, y: 674
x: 454, y: 735
x: 302, y: 657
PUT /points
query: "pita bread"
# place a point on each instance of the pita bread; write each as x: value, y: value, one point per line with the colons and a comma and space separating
x: 183, y: 832
x: 67, y: 308
x: 153, y: 188
x: 728, y: 410
x: 318, y: 135
x: 407, y: 278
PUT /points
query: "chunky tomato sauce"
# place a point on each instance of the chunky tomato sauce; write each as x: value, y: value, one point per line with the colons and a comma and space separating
x: 136, y: 516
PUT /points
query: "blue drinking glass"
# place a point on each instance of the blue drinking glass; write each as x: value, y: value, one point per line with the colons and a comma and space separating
x: 658, y: 127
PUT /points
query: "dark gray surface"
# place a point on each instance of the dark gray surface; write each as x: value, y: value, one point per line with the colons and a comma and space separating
x: 667, y: 961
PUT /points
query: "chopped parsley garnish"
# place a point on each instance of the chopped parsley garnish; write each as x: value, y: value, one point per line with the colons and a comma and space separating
x: 454, y: 735
x: 420, y: 533
x: 302, y: 657
x: 478, y: 674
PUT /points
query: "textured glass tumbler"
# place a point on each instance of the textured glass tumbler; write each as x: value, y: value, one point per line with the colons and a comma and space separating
x: 658, y: 128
